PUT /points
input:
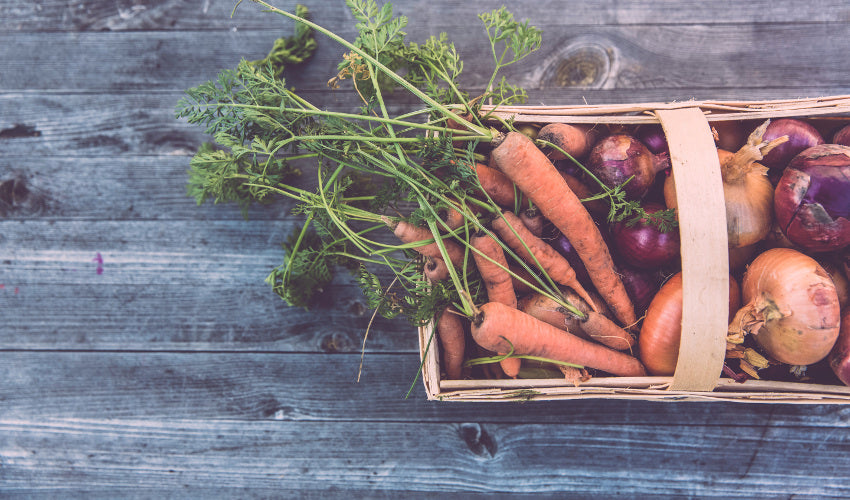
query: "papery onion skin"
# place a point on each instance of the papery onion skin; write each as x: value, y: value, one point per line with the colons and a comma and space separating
x: 661, y: 332
x: 801, y: 136
x: 791, y: 308
x: 619, y: 157
x: 842, y: 137
x: 643, y: 245
x: 812, y: 199
x: 839, y: 357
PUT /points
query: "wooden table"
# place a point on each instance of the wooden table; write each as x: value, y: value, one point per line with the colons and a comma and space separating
x: 143, y: 356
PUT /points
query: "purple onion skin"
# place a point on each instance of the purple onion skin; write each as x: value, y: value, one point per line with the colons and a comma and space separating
x: 842, y: 137
x: 812, y: 199
x: 618, y: 157
x: 801, y: 136
x: 643, y: 245
x: 652, y: 136
x: 565, y: 248
x: 641, y: 285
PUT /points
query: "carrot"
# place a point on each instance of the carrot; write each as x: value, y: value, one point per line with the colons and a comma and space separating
x: 498, y: 327
x: 595, y: 326
x: 553, y: 263
x: 497, y: 282
x: 576, y: 140
x: 582, y: 191
x: 451, y: 217
x: 435, y: 269
x: 520, y: 287
x: 529, y: 168
x: 496, y: 185
x: 408, y: 233
x: 452, y: 341
x: 496, y: 279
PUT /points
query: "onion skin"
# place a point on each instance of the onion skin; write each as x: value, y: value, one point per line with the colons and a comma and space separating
x: 842, y: 137
x: 618, y: 157
x: 792, y: 307
x: 839, y: 357
x: 661, y: 333
x: 652, y: 136
x: 644, y: 245
x: 801, y: 136
x: 729, y: 135
x: 812, y: 199
x: 641, y: 285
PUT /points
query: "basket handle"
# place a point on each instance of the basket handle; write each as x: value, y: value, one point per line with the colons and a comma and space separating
x: 704, y: 248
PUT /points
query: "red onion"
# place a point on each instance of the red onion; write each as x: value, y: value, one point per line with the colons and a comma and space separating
x: 643, y: 245
x: 801, y: 136
x: 565, y: 248
x: 812, y: 199
x: 652, y: 136
x: 839, y: 357
x: 617, y: 158
x: 729, y: 135
x: 641, y: 285
x: 842, y: 137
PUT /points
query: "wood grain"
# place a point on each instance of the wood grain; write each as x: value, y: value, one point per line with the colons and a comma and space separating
x: 176, y: 373
x: 92, y: 455
x: 126, y: 15
x: 693, y: 56
x: 321, y: 387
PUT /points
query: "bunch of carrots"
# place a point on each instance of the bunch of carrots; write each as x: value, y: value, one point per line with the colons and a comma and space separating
x: 507, y: 248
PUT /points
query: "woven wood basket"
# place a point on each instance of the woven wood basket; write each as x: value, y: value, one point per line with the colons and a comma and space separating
x: 705, y: 264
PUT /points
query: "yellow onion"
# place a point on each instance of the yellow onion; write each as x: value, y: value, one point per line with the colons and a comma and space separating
x: 791, y: 309
x: 747, y: 190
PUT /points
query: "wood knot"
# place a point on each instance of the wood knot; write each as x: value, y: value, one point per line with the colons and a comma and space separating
x: 581, y: 64
x: 478, y: 440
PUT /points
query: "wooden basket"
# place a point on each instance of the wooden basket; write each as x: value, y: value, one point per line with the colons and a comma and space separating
x: 704, y: 250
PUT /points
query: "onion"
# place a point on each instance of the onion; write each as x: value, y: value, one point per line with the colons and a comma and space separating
x: 839, y: 357
x: 652, y: 136
x: 641, y: 285
x: 619, y: 158
x: 643, y: 245
x: 565, y: 248
x: 842, y: 137
x: 729, y: 135
x: 801, y: 136
x: 747, y: 191
x: 661, y: 332
x: 812, y: 199
x: 791, y: 307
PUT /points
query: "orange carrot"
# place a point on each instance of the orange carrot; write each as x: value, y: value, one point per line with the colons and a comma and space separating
x: 451, y: 217
x: 435, y: 269
x: 498, y: 283
x: 497, y: 280
x: 496, y: 184
x: 498, y: 327
x: 452, y: 341
x: 555, y: 265
x: 408, y: 233
x: 582, y: 191
x: 576, y: 140
x: 529, y: 168
x: 595, y: 326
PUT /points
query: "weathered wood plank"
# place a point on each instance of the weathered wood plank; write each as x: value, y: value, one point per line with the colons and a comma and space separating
x: 97, y: 15
x: 302, y: 387
x: 192, y: 317
x: 697, y: 56
x: 71, y: 125
x: 125, y: 187
x: 71, y: 455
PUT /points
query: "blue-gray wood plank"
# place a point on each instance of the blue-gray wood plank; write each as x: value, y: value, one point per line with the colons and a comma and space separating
x: 174, y: 372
